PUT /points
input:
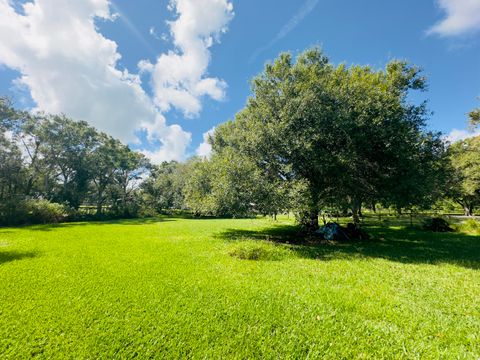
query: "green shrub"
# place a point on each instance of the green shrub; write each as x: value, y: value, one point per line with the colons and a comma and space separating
x: 72, y: 214
x: 259, y: 250
x: 42, y: 211
x: 13, y: 212
x: 146, y: 212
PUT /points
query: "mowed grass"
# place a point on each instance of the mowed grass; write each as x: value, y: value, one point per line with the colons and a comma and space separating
x: 180, y: 288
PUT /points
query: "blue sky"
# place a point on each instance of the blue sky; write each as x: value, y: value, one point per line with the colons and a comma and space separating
x: 159, y: 74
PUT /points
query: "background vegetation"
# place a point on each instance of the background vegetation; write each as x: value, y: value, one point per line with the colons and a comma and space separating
x: 314, y: 138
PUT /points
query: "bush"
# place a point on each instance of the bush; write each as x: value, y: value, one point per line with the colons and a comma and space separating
x: 259, y: 250
x: 437, y: 225
x: 44, y: 212
x: 13, y: 212
x: 71, y: 214
x: 146, y: 212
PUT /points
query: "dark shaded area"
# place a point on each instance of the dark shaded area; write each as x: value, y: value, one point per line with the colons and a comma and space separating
x: 335, y: 231
x: 8, y: 256
x: 287, y: 234
x: 138, y: 221
x: 405, y: 245
x: 129, y: 221
x: 437, y: 224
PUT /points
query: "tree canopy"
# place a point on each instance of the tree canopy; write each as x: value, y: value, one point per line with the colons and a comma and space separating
x: 474, y: 117
x: 312, y: 137
x: 64, y: 161
x: 337, y: 134
x: 465, y: 184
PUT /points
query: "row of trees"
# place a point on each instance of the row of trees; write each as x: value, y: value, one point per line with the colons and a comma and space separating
x: 336, y: 137
x: 66, y: 162
x: 312, y: 137
x: 464, y: 156
x: 464, y: 188
x: 316, y: 137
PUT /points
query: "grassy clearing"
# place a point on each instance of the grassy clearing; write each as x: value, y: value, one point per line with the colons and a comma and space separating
x: 182, y: 288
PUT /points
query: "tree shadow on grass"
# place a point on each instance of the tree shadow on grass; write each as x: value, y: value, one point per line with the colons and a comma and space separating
x: 5, y: 231
x: 405, y: 245
x: 142, y: 221
x: 287, y: 234
x: 8, y: 256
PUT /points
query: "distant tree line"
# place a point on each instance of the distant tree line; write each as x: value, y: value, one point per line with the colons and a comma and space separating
x: 313, y: 137
x: 49, y: 159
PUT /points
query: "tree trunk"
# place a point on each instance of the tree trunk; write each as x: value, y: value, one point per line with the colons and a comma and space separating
x: 99, y: 208
x: 309, y: 218
x: 468, y: 209
x: 309, y: 221
x: 356, y: 212
x: 28, y: 188
x: 99, y: 203
x: 355, y: 217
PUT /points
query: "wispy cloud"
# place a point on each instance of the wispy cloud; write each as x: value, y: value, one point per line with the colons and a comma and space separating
x: 307, y: 7
x: 457, y: 135
x: 462, y: 17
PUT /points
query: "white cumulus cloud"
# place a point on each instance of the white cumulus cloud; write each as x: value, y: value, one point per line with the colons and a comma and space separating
x: 204, y: 150
x: 69, y: 67
x: 175, y: 143
x: 179, y: 77
x: 462, y: 17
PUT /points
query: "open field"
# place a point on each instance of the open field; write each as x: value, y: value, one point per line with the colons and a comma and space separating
x: 176, y: 288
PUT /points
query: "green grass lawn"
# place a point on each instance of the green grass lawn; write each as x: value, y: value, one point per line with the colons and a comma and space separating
x: 173, y: 288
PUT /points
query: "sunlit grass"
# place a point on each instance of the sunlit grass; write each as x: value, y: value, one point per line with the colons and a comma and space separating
x: 172, y: 288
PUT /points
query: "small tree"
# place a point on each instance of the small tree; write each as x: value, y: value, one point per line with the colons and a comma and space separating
x: 66, y: 147
x: 163, y: 190
x: 465, y: 183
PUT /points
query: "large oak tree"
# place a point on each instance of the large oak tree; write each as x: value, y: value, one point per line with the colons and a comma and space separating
x: 339, y: 134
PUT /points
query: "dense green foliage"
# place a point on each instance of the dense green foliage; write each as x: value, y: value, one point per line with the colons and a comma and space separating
x: 313, y: 138
x: 65, y: 162
x: 338, y: 136
x: 177, y: 288
x: 163, y: 189
x: 231, y: 185
x: 465, y: 182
